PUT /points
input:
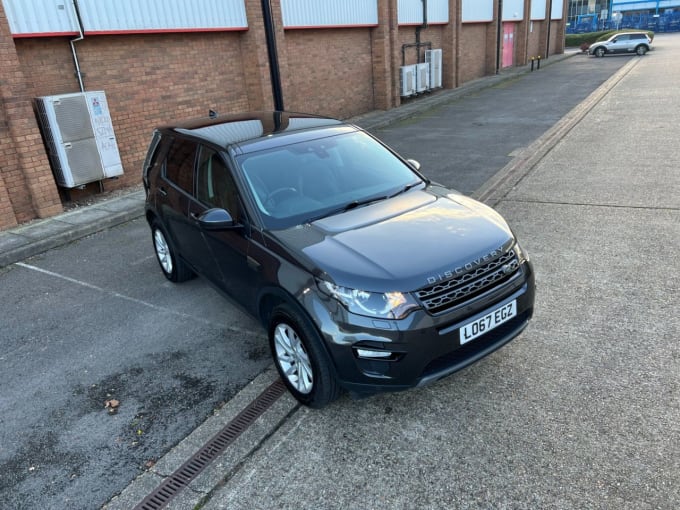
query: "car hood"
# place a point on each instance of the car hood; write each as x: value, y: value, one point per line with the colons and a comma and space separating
x: 401, y: 244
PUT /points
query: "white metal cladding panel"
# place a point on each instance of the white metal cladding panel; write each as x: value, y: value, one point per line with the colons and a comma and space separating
x: 57, y: 16
x: 477, y: 10
x: 136, y: 15
x: 410, y: 12
x: 513, y: 10
x: 40, y: 16
x: 557, y: 8
x: 538, y: 9
x: 319, y: 13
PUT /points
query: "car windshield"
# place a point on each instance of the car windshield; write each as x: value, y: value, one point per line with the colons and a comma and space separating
x: 302, y: 182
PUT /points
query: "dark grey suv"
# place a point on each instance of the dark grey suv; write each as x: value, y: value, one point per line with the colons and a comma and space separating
x: 367, y: 276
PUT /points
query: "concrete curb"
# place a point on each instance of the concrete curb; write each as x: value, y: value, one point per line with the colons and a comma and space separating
x: 496, y: 188
x: 37, y: 237
x: 223, y: 466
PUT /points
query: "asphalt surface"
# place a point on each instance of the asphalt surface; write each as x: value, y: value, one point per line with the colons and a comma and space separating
x: 581, y: 411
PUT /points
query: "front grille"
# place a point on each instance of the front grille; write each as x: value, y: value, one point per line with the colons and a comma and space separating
x: 444, y: 296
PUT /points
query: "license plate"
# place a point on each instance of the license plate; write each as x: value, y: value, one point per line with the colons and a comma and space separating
x: 478, y: 327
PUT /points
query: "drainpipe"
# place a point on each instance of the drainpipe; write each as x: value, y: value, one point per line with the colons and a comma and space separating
x: 273, y: 54
x: 547, y: 43
x: 80, y: 37
x: 499, y: 36
x: 420, y: 28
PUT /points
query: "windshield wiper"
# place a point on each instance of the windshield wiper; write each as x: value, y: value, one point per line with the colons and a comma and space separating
x: 347, y: 207
x: 405, y: 189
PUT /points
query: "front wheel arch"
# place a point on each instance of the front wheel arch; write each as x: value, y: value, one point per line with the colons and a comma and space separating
x: 298, y: 351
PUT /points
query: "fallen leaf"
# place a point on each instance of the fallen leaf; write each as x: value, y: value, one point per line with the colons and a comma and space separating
x: 112, y: 404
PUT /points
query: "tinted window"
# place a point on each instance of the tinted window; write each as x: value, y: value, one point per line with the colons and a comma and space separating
x: 214, y: 184
x: 179, y: 165
x: 299, y: 182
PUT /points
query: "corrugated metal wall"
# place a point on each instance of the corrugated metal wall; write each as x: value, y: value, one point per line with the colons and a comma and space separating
x: 410, y: 12
x: 46, y: 17
x: 331, y: 13
x: 538, y: 8
x: 513, y: 10
x: 40, y: 16
x: 557, y: 10
x: 477, y: 10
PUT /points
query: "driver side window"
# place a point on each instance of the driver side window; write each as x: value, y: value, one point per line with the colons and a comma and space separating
x: 214, y: 184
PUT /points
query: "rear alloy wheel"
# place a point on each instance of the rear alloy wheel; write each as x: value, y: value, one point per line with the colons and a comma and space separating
x: 641, y: 50
x: 599, y: 52
x: 173, y: 268
x: 300, y: 358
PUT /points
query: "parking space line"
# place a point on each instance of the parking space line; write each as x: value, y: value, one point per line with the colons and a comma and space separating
x: 118, y: 295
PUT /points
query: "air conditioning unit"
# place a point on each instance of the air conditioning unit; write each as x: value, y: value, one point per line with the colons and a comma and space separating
x: 408, y: 80
x: 422, y: 77
x: 79, y: 136
x: 434, y: 59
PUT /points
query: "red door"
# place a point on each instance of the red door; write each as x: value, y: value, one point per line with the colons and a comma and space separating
x: 508, y: 44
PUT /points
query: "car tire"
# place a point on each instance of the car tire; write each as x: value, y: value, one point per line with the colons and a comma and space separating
x: 599, y: 52
x: 641, y: 50
x: 173, y: 267
x: 301, y: 358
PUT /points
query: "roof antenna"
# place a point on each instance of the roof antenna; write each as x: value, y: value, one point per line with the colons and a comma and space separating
x: 212, y: 114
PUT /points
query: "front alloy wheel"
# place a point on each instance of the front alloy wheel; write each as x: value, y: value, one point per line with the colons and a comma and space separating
x: 301, y: 358
x: 293, y: 359
x: 599, y: 52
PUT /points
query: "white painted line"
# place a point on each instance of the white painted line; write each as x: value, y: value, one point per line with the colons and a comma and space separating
x: 119, y: 295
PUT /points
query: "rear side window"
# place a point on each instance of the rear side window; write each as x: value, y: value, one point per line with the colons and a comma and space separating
x: 179, y: 165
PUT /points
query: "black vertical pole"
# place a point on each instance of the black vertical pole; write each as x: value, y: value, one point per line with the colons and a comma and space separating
x: 273, y: 54
x: 499, y: 36
x: 547, y: 43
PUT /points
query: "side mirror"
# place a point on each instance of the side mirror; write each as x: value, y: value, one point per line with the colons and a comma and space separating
x: 415, y: 164
x: 216, y: 219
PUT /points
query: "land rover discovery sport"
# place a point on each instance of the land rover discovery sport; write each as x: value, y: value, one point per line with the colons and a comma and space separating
x: 366, y: 275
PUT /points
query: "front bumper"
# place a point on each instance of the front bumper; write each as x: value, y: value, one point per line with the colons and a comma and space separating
x: 421, y: 348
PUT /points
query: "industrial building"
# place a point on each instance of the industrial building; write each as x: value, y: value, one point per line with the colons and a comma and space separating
x: 84, y: 82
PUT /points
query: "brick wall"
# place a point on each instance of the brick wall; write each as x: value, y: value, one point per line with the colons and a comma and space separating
x: 472, y: 56
x: 154, y: 78
x: 26, y: 182
x: 330, y: 71
x: 148, y: 80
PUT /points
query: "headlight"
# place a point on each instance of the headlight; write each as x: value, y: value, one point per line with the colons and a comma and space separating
x: 521, y: 254
x: 388, y: 305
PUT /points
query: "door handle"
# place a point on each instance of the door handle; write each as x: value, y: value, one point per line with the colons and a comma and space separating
x: 163, y: 192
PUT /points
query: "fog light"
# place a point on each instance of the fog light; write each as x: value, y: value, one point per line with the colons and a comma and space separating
x: 364, y: 353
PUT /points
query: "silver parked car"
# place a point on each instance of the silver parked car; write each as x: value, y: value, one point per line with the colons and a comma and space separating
x: 623, y: 42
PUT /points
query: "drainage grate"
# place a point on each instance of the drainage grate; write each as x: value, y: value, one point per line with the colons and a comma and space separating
x: 172, y: 485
